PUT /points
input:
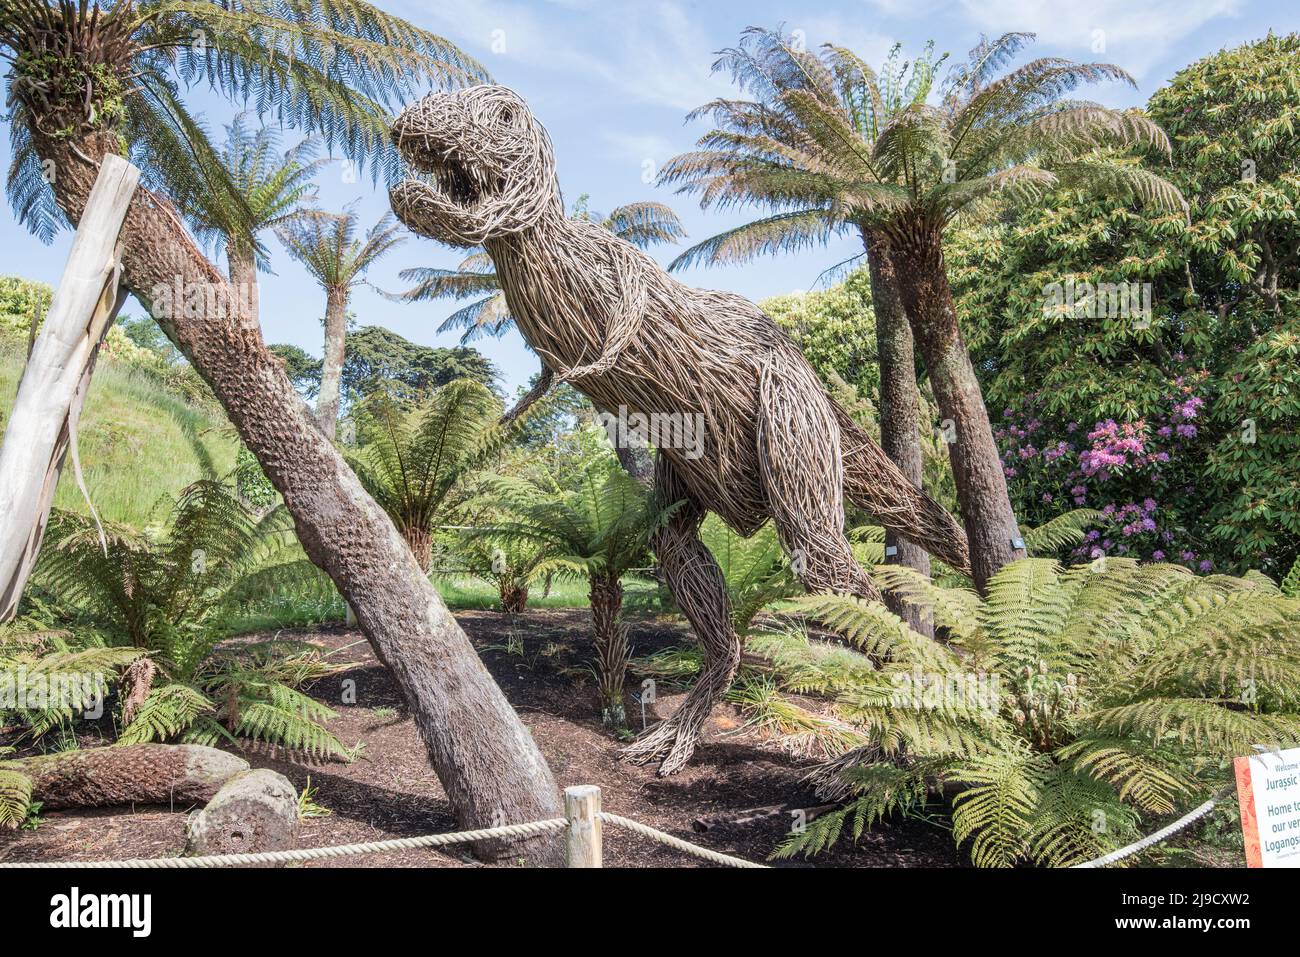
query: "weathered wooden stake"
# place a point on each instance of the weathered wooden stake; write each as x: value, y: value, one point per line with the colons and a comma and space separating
x: 585, y: 843
x: 42, y: 425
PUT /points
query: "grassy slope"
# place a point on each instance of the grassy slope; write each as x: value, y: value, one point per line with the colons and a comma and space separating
x: 138, y: 443
x: 140, y: 446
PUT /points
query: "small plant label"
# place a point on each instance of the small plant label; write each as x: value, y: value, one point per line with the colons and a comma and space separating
x: 1268, y: 789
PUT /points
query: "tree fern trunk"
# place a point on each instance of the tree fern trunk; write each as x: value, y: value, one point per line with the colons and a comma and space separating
x: 242, y: 268
x: 514, y: 596
x: 420, y: 542
x: 485, y: 758
x: 336, y: 328
x: 900, y: 404
x: 991, y: 527
x: 128, y: 774
x: 612, y: 650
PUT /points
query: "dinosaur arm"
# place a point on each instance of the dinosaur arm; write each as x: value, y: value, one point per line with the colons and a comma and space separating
x: 625, y: 319
x: 543, y: 385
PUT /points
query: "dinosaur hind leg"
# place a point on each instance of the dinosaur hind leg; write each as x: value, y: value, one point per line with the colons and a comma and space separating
x: 874, y: 483
x: 700, y: 590
x: 802, y: 475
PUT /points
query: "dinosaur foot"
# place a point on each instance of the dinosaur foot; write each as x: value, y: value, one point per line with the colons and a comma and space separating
x: 671, y: 742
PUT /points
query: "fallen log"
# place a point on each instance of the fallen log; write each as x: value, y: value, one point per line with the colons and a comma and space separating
x: 755, y: 814
x: 127, y: 774
x: 254, y: 811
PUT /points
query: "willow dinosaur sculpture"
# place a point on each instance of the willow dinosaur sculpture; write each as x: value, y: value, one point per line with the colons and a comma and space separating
x: 605, y: 317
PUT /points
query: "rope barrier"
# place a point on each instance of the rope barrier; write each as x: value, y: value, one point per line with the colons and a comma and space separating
x: 530, y: 829
x: 1152, y: 839
x: 676, y: 842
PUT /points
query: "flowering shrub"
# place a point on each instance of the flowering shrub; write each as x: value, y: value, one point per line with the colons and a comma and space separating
x: 1134, y: 473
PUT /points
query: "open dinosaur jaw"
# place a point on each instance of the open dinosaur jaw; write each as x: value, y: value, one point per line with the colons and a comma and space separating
x: 456, y: 179
x: 428, y: 211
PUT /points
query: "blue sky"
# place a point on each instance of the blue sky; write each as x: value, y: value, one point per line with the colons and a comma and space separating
x: 613, y: 79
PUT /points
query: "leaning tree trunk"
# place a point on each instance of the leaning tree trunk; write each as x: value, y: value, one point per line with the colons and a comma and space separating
x: 242, y: 269
x: 485, y: 758
x: 900, y: 403
x: 991, y: 529
x: 612, y: 649
x: 336, y: 329
x: 43, y: 422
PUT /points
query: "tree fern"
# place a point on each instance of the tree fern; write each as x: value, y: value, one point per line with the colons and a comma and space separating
x: 332, y: 68
x: 15, y: 798
x: 1291, y: 583
x: 1097, y: 697
x: 167, y: 592
x: 169, y: 712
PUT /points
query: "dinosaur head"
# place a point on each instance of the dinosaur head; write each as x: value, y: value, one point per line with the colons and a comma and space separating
x: 484, y: 167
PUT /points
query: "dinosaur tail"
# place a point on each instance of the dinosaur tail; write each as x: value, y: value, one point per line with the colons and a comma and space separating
x: 873, y: 482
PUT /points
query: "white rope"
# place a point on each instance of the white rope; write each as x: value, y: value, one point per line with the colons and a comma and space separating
x: 531, y: 829
x: 1152, y: 839
x: 676, y: 842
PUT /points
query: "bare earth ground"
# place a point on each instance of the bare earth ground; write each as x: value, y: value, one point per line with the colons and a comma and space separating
x: 390, y: 791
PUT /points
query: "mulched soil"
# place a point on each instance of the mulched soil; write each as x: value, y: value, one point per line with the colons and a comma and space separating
x: 391, y: 791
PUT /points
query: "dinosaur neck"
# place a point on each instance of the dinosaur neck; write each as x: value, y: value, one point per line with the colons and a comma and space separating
x: 541, y: 271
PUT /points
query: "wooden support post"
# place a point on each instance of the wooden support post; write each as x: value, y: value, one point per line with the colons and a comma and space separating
x: 42, y: 425
x: 582, y: 808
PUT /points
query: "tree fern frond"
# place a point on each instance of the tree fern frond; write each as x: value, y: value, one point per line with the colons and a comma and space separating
x: 1078, y: 818
x: 1210, y: 725
x: 283, y: 723
x: 997, y: 808
x: 882, y: 790
x: 1140, y: 773
x: 15, y: 798
x: 168, y: 712
x: 874, y: 629
x: 1064, y: 531
x: 1291, y: 583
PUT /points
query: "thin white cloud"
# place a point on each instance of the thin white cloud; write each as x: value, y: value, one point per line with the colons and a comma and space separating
x: 639, y: 147
x: 1134, y: 35
x: 650, y: 53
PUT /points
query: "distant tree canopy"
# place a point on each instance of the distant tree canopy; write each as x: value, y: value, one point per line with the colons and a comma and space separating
x: 19, y: 299
x: 144, y: 332
x: 378, y: 358
x: 836, y: 330
x: 563, y: 410
x: 1184, y: 418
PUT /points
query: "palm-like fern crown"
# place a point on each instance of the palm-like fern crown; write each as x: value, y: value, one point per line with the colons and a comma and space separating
x: 332, y: 68
x: 1065, y: 698
x: 643, y: 224
x: 827, y: 143
x: 603, y: 525
x: 145, y: 586
x: 328, y: 246
x: 416, y: 459
x: 273, y: 183
x: 756, y: 570
x: 168, y: 591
